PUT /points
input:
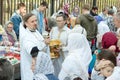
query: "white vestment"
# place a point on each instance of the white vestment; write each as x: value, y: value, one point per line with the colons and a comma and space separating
x: 28, y: 41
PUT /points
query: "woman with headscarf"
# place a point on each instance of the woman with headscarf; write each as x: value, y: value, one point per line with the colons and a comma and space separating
x: 44, y: 69
x: 10, y: 32
x: 64, y: 10
x: 102, y: 29
x: 75, y: 12
x: 109, y: 41
x: 3, y: 37
x: 76, y: 63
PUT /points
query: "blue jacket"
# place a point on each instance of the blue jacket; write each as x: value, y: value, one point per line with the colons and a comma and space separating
x: 16, y: 19
x: 40, y: 18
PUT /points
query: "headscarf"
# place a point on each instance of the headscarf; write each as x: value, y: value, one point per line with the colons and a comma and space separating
x: 108, y: 40
x: 11, y: 33
x: 74, y: 13
x: 79, y: 29
x: 78, y: 42
x: 103, y: 28
x: 43, y: 66
x: 66, y: 8
x: 76, y: 63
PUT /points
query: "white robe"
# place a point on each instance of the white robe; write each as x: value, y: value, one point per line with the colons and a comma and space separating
x: 79, y: 29
x: 102, y: 29
x: 77, y: 62
x: 29, y: 40
x: 63, y: 37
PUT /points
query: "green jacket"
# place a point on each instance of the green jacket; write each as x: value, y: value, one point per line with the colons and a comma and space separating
x: 89, y: 23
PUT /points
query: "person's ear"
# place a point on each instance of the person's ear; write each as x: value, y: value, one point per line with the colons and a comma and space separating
x: 26, y: 24
x: 112, y: 48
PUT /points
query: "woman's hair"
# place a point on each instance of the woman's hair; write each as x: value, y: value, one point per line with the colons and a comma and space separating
x: 86, y: 7
x: 78, y: 78
x: 107, y: 55
x: 44, y: 3
x: 26, y: 17
x: 6, y: 70
x: 108, y: 65
x: 77, y: 21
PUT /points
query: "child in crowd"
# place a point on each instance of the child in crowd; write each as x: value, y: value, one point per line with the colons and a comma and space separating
x: 105, y: 68
x: 106, y: 60
x: 42, y: 67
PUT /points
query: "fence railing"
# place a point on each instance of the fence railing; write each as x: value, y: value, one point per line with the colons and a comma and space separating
x: 9, y: 6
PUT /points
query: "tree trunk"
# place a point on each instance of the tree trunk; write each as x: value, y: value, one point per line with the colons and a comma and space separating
x: 1, y: 12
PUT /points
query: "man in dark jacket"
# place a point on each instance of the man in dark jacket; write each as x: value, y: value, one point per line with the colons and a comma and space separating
x: 94, y: 11
x: 89, y: 23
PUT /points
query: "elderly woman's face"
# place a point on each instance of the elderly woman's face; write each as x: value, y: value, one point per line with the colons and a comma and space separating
x: 32, y: 23
x: 10, y: 27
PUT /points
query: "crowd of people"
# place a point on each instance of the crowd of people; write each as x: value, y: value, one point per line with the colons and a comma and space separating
x: 89, y: 43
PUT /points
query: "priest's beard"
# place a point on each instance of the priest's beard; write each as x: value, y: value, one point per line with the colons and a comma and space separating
x: 32, y: 28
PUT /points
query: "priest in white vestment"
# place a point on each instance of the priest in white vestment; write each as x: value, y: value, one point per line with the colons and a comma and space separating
x: 31, y: 43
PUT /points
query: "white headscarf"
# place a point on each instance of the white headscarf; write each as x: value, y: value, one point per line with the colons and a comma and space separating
x: 79, y: 29
x: 43, y: 64
x: 103, y: 28
x: 78, y: 43
x: 76, y: 64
